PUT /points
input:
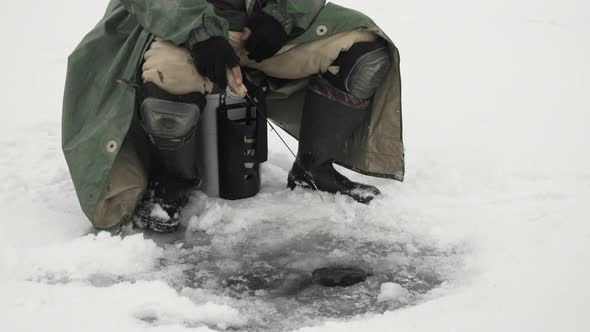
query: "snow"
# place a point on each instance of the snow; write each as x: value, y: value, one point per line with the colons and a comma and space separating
x: 391, y: 291
x: 489, y: 232
x: 159, y: 212
x: 83, y: 258
x: 122, y: 307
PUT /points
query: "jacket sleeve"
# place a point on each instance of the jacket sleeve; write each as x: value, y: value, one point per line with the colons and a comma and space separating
x: 294, y: 15
x: 179, y: 21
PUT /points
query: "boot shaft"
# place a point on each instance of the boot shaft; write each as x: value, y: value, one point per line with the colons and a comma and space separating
x: 329, y: 118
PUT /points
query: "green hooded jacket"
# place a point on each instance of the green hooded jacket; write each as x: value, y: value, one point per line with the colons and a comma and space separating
x: 99, y: 98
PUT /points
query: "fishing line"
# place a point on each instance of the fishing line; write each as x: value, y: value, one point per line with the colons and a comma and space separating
x: 308, y: 173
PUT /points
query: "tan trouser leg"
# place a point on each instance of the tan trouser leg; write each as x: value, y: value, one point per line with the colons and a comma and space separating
x: 303, y: 60
x: 170, y: 67
x: 125, y: 187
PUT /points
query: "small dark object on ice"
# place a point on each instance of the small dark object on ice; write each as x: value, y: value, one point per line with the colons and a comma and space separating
x: 339, y: 276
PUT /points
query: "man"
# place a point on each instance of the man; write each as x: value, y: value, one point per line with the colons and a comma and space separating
x: 333, y: 79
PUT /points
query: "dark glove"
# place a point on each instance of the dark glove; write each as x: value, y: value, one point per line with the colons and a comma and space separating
x: 212, y: 57
x: 267, y: 38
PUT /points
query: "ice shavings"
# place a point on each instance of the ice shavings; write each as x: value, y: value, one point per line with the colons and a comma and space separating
x: 393, y: 292
x: 220, y: 316
x: 137, y: 306
x: 159, y: 212
x: 259, y: 255
x: 84, y: 257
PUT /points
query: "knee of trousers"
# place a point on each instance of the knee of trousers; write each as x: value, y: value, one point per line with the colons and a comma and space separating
x: 168, y: 119
x: 170, y: 122
x: 363, y: 69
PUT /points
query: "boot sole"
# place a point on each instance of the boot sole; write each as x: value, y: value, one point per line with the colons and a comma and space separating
x: 292, y: 184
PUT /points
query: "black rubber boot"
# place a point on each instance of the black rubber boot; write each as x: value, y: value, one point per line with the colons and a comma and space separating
x: 327, y: 179
x: 161, y: 206
x: 329, y: 118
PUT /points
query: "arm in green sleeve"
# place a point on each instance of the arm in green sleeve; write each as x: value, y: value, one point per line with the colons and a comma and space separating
x: 179, y: 21
x: 294, y: 15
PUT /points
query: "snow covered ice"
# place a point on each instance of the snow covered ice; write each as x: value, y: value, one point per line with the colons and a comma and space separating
x: 489, y: 232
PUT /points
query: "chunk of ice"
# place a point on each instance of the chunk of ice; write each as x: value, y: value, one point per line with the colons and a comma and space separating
x: 159, y: 212
x: 393, y: 292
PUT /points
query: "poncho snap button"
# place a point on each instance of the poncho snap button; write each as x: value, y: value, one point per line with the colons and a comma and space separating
x: 321, y: 30
x: 112, y: 146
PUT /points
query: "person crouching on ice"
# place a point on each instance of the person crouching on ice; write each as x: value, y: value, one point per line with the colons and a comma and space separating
x: 333, y: 78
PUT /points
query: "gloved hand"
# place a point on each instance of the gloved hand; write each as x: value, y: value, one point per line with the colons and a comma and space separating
x: 264, y: 36
x: 213, y: 57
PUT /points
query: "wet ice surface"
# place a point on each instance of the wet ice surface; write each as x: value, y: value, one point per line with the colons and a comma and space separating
x: 262, y: 264
x: 277, y: 295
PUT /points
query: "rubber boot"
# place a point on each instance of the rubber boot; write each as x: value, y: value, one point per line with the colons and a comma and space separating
x: 329, y: 118
x: 161, y: 206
